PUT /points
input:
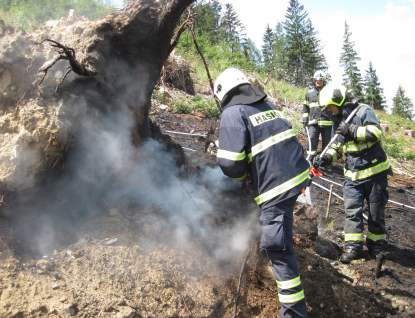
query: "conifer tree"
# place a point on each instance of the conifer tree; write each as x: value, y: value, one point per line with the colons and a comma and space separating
x: 314, y: 59
x: 301, y: 46
x: 268, y: 50
x: 231, y: 27
x: 279, y: 51
x: 373, y: 92
x: 348, y: 59
x: 402, y: 105
x: 252, y: 55
x: 207, y: 20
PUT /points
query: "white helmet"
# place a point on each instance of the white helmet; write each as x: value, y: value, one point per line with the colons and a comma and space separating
x: 332, y: 94
x: 320, y: 75
x: 228, y: 79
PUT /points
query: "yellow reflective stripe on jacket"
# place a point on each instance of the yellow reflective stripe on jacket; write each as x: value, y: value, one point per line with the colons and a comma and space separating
x: 333, y: 154
x: 230, y: 155
x: 366, y: 173
x: 272, y: 141
x: 287, y: 185
x: 325, y: 123
x: 313, y: 153
x: 375, y: 130
x: 361, y: 132
x: 241, y: 178
x: 305, y: 115
x: 289, y: 283
x: 287, y: 299
x: 354, y: 147
x: 353, y: 237
x: 375, y: 237
x: 314, y: 104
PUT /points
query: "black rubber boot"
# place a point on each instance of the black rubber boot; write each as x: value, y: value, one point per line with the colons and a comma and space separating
x: 351, y: 254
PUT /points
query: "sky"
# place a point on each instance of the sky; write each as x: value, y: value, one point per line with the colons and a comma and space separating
x: 383, y: 33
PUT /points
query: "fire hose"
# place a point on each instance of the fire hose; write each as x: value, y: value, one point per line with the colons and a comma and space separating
x: 340, y: 185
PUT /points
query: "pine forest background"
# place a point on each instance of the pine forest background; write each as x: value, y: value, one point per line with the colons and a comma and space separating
x: 290, y: 54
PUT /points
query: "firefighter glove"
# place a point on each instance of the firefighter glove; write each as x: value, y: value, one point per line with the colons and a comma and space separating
x: 346, y: 129
x: 305, y: 122
x: 322, y: 161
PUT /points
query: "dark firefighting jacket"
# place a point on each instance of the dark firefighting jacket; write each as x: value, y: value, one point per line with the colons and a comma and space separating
x: 312, y: 112
x: 256, y: 139
x: 365, y: 157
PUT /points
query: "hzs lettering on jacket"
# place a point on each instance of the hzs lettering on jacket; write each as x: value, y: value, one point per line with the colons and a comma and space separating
x: 264, y: 117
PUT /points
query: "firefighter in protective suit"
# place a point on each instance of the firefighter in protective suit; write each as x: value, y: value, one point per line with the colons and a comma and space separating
x: 366, y: 169
x: 256, y: 141
x: 319, y: 121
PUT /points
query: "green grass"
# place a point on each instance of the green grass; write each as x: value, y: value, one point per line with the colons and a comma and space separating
x: 396, y: 143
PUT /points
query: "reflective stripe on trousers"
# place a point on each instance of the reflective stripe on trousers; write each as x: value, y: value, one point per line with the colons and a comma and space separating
x: 284, y: 263
x: 375, y: 193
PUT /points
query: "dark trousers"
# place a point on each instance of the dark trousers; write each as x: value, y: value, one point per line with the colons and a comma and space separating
x: 315, y: 132
x: 277, y: 241
x: 375, y: 192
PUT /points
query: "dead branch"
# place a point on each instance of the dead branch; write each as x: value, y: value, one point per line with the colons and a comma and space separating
x: 187, y: 134
x: 188, y: 23
x: 156, y: 209
x: 65, y: 53
x: 345, y: 277
x: 206, y: 66
x: 180, y: 30
x: 379, y: 264
x: 238, y: 290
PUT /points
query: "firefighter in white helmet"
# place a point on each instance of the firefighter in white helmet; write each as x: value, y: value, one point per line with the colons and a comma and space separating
x: 319, y: 121
x: 256, y: 142
x: 366, y: 169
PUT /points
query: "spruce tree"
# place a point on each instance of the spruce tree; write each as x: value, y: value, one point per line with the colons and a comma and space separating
x: 207, y: 20
x: 348, y: 59
x: 303, y: 51
x: 231, y: 28
x: 268, y: 50
x: 402, y: 105
x: 251, y: 54
x: 279, y: 51
x: 373, y: 92
x: 314, y: 59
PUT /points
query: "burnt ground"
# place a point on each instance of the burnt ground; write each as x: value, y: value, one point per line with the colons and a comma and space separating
x: 122, y: 262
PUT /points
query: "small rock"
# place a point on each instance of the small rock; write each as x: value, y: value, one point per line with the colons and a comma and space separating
x: 114, y: 212
x: 126, y: 312
x: 44, y: 265
x: 78, y: 254
x: 35, y: 136
x: 110, y: 242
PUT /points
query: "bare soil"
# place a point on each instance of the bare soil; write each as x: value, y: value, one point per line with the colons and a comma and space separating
x: 122, y: 262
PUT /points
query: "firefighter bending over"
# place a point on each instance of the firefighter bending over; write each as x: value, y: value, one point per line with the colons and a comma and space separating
x: 256, y: 141
x: 366, y: 169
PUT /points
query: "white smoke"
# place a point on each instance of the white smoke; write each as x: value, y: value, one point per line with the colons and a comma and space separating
x: 105, y: 166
